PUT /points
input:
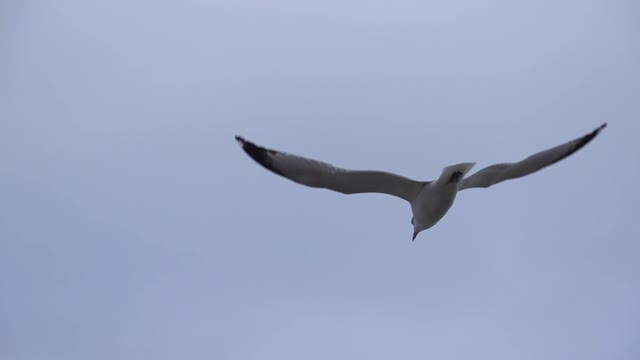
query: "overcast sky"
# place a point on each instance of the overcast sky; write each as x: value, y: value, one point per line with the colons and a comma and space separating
x: 132, y: 226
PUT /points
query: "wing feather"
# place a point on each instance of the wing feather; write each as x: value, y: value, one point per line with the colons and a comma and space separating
x: 494, y: 174
x: 320, y: 174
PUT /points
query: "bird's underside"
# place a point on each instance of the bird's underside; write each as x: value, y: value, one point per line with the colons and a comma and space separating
x: 320, y: 174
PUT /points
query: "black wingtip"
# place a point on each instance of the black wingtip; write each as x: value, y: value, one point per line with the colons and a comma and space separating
x: 595, y: 132
x: 581, y: 142
x: 586, y: 139
x: 259, y: 154
x: 256, y: 152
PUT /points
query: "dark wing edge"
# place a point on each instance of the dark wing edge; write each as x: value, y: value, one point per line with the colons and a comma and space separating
x: 318, y: 174
x: 581, y: 142
x: 261, y: 155
x: 494, y: 174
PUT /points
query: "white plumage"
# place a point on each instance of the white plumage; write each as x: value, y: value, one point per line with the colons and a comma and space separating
x: 430, y: 200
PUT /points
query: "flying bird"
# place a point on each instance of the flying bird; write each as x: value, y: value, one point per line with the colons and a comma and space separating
x: 430, y: 200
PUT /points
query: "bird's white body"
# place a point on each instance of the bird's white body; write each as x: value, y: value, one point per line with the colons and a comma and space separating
x: 430, y: 200
x: 437, y: 197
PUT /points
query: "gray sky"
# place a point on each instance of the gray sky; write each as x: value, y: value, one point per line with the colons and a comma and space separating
x: 133, y: 227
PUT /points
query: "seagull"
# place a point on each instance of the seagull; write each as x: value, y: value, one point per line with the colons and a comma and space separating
x: 429, y: 200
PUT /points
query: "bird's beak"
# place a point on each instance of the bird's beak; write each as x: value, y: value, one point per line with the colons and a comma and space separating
x: 415, y: 233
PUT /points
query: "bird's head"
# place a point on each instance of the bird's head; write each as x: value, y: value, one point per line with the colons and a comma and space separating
x: 416, y: 230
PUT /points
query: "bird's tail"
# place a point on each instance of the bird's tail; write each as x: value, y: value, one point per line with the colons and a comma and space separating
x: 455, y: 173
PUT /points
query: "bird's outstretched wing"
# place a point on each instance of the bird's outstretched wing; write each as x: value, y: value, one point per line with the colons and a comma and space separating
x: 319, y: 174
x: 494, y: 174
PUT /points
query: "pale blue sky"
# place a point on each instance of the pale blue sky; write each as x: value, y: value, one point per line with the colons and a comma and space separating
x: 133, y: 227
